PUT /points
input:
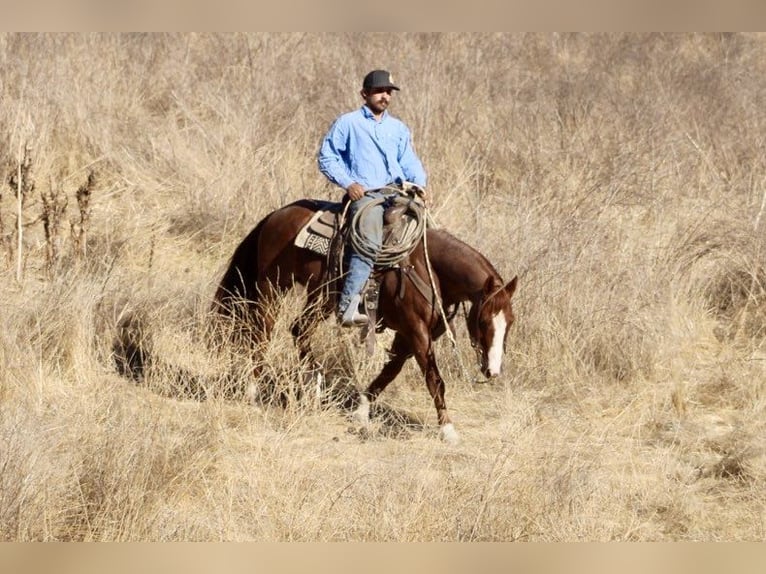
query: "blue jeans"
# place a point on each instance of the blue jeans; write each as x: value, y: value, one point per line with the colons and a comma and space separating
x: 358, y: 266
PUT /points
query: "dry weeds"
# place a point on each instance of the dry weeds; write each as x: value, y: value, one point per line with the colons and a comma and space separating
x: 623, y: 177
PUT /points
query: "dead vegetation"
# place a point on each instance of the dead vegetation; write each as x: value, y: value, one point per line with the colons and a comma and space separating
x: 622, y: 176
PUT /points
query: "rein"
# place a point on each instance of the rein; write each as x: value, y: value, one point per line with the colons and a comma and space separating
x: 482, y: 302
x: 391, y: 255
x: 438, y: 298
x: 447, y: 329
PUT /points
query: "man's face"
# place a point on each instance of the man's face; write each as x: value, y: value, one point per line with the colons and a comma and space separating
x: 377, y: 99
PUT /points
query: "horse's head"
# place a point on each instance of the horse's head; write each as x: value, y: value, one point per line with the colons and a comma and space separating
x: 489, y: 321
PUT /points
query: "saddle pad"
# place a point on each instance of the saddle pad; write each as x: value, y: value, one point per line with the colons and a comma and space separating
x: 317, y: 233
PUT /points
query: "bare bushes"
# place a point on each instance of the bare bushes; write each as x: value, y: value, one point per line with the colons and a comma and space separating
x: 195, y: 353
x: 720, y: 262
x: 43, y: 215
x: 591, y: 303
x: 131, y: 347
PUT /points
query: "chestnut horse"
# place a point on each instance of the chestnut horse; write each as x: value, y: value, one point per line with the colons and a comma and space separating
x: 267, y: 263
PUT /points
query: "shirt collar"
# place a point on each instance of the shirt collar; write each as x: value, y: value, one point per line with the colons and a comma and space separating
x: 367, y: 112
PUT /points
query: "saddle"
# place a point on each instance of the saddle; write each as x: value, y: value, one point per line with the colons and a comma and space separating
x: 318, y: 234
x: 327, y: 233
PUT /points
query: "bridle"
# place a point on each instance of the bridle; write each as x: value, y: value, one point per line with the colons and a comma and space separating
x: 481, y: 303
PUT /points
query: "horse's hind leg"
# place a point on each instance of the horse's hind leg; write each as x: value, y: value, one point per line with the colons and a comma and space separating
x: 304, y: 325
x: 398, y: 355
x: 302, y: 328
x: 258, y: 327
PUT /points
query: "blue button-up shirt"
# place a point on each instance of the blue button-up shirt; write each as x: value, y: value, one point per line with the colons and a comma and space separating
x: 373, y: 153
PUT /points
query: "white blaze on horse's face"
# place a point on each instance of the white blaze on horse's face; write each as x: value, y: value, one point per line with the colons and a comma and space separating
x: 495, y: 352
x: 488, y: 322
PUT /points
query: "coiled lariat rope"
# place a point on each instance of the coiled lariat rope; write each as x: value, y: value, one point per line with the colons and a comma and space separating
x: 391, y: 254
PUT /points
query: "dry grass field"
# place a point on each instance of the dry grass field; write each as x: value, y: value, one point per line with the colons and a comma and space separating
x: 622, y: 177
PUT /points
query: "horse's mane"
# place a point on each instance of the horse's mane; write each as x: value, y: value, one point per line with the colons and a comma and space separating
x: 453, y: 244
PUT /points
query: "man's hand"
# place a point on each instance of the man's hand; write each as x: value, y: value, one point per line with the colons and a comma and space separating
x: 414, y: 190
x: 419, y: 192
x: 355, y: 191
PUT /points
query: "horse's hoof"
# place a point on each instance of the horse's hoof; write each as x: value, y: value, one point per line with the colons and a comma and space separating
x: 362, y: 412
x: 449, y: 434
x: 361, y: 417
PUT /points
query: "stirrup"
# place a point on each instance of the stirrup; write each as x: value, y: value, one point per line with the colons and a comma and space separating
x: 351, y: 317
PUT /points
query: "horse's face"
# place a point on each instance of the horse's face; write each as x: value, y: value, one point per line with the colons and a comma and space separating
x: 489, y: 321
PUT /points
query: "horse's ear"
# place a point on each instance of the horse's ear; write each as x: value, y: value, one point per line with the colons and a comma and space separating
x: 489, y: 285
x: 510, y: 288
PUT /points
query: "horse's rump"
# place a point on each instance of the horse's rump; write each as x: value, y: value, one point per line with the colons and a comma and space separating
x: 256, y: 261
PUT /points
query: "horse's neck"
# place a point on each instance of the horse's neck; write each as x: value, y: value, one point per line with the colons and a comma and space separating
x: 462, y: 272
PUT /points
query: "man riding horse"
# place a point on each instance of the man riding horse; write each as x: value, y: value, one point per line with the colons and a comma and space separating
x: 368, y: 152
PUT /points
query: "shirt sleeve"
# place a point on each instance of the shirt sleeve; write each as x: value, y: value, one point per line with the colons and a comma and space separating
x: 333, y: 153
x: 409, y: 161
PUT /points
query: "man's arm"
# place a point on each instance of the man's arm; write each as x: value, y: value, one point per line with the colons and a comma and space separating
x: 331, y: 156
x: 408, y: 159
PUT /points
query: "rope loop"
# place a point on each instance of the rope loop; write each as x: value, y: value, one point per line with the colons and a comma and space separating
x: 392, y: 254
x: 414, y: 222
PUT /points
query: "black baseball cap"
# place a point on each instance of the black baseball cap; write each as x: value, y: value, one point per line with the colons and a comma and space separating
x: 378, y: 79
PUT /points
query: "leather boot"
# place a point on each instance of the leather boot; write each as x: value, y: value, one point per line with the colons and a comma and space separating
x: 351, y: 317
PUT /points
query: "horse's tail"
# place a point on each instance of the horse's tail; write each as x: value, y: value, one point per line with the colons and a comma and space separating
x: 238, y: 284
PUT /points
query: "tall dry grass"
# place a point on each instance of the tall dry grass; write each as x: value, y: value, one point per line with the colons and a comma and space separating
x: 621, y: 176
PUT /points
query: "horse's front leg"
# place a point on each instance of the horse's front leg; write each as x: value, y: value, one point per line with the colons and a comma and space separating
x: 424, y: 355
x: 398, y: 354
